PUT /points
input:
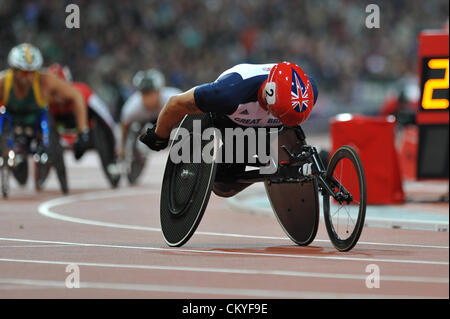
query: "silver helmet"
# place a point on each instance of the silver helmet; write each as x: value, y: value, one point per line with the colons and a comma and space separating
x: 25, y: 57
x: 149, y: 80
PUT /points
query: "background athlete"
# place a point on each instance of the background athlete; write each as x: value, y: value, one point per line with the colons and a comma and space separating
x: 146, y: 103
x: 101, y: 122
x: 25, y: 91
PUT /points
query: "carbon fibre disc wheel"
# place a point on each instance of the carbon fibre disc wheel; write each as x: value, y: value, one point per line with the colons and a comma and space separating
x: 56, y: 156
x: 296, y: 206
x: 136, y: 153
x: 103, y: 141
x: 41, y: 172
x: 4, y: 176
x: 187, y: 185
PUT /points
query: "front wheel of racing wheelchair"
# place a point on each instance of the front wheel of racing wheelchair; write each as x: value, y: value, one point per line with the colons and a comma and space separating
x: 293, y: 189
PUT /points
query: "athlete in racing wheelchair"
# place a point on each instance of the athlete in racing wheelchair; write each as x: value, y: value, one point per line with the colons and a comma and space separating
x: 139, y: 111
x: 40, y: 140
x: 280, y: 96
x: 100, y: 122
x: 24, y: 95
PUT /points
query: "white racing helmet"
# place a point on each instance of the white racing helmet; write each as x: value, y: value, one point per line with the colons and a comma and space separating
x: 25, y: 57
x: 149, y: 80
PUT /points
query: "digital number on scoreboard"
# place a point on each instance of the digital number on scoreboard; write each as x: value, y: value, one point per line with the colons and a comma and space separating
x: 435, y: 84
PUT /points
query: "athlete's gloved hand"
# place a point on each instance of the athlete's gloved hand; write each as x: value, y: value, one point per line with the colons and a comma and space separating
x: 153, y: 141
x: 82, y: 144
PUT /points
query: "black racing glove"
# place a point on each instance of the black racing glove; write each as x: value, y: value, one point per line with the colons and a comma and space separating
x: 82, y: 144
x: 153, y: 141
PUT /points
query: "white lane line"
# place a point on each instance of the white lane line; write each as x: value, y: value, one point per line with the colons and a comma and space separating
x: 45, y: 210
x: 192, y: 290
x: 439, y: 280
x: 221, y: 252
x: 32, y: 246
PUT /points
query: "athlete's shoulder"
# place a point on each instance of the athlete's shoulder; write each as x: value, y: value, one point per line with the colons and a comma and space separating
x: 84, y: 88
x: 133, y: 99
x: 247, y: 70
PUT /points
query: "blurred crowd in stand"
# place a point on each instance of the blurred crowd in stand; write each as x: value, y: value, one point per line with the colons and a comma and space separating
x: 193, y: 41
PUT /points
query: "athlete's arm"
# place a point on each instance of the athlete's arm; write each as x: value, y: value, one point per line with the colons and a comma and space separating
x: 174, y: 111
x: 53, y: 83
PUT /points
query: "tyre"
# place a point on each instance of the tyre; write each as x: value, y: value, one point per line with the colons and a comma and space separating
x: 186, y: 187
x: 4, y: 176
x: 4, y: 169
x: 136, y: 154
x: 104, y: 143
x: 344, y: 219
x: 56, y: 156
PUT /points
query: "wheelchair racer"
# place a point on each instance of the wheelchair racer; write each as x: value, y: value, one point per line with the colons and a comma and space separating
x: 25, y: 92
x: 249, y: 95
x: 145, y: 104
x: 63, y: 111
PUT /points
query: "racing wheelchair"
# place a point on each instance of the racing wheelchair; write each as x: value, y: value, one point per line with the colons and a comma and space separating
x: 102, y: 137
x: 293, y: 189
x: 41, y: 141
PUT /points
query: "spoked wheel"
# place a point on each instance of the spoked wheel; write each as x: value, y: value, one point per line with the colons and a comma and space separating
x: 344, y: 219
x: 136, y: 154
x: 104, y: 143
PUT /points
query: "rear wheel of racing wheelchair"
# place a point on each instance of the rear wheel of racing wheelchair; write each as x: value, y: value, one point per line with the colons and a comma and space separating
x: 296, y: 205
x: 344, y: 217
x: 104, y: 143
x: 136, y: 153
x: 4, y: 172
x: 56, y: 155
x: 187, y: 185
x: 4, y: 168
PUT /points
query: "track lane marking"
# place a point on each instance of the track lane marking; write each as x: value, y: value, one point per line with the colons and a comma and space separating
x: 219, y: 252
x: 45, y: 210
x: 200, y: 290
x: 438, y: 280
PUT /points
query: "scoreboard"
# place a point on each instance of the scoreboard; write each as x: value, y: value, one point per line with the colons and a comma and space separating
x: 432, y: 117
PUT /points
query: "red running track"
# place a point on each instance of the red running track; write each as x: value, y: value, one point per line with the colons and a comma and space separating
x: 113, y: 237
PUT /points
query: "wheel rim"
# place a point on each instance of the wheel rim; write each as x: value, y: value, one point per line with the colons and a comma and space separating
x: 344, y: 218
x: 344, y: 214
